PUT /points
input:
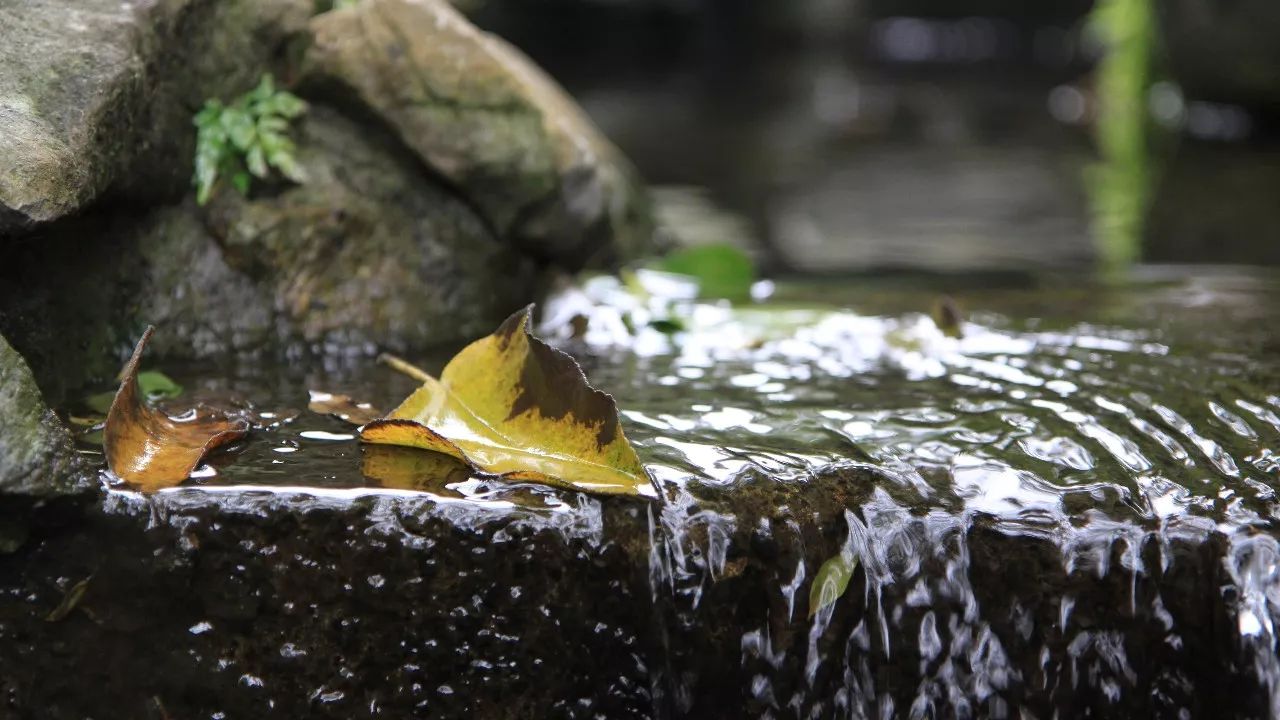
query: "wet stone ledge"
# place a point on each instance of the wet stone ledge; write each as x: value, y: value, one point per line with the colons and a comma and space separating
x: 242, y: 604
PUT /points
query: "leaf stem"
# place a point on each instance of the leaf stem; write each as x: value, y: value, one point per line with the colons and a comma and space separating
x: 405, y: 367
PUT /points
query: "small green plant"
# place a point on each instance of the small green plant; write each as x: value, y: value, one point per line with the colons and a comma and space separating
x: 246, y: 139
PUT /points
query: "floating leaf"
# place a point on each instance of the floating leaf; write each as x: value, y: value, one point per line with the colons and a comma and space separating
x: 832, y: 581
x: 342, y: 407
x: 948, y: 318
x: 154, y: 385
x: 146, y: 447
x: 722, y: 271
x: 511, y: 405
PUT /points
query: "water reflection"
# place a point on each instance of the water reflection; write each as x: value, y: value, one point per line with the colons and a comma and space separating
x: 1044, y: 512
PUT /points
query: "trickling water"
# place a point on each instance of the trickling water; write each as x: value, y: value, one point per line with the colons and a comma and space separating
x: 1068, y: 511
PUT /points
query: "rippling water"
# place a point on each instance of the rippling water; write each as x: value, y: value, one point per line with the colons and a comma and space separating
x: 1044, y: 512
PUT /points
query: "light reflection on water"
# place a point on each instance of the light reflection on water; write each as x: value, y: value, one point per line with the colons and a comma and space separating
x: 1039, y: 486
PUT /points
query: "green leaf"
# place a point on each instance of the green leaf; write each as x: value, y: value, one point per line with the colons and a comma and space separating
x: 832, y: 581
x: 272, y: 125
x: 155, y: 385
x: 266, y: 87
x: 257, y: 162
x: 246, y: 139
x: 240, y: 128
x: 209, y: 115
x: 287, y: 105
x: 100, y: 402
x: 668, y: 325
x: 512, y: 406
x: 288, y: 166
x: 722, y: 270
x: 241, y: 181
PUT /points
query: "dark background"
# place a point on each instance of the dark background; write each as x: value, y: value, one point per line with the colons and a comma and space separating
x: 837, y: 136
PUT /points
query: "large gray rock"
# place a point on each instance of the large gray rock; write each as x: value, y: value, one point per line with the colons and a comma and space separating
x: 37, y: 461
x: 486, y: 119
x: 368, y: 255
x: 96, y: 95
x: 369, y: 250
x: 431, y: 210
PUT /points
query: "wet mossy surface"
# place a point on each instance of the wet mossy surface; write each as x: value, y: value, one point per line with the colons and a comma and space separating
x: 255, y: 603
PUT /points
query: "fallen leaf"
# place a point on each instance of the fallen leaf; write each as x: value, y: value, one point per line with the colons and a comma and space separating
x: 342, y: 407
x: 70, y: 600
x: 513, y: 406
x: 151, y: 450
x: 831, y: 581
x: 948, y: 318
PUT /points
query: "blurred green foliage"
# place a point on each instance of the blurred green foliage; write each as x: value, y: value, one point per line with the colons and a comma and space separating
x: 723, y: 271
x: 246, y: 139
x: 1120, y: 186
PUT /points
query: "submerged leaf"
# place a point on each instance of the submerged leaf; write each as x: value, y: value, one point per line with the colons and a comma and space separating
x: 342, y: 407
x: 69, y: 602
x: 832, y: 581
x: 511, y: 405
x: 146, y: 447
x: 404, y: 468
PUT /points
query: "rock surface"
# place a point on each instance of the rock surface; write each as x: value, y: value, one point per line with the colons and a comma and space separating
x: 37, y: 461
x: 562, y: 606
x: 367, y: 254
x: 487, y: 120
x: 96, y: 96
x: 433, y: 208
x: 38, y: 465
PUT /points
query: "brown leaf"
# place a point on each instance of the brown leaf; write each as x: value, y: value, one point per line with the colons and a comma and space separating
x: 151, y: 450
x: 342, y: 407
x: 948, y: 317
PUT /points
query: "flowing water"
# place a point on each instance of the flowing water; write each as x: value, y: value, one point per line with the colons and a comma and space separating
x: 1068, y: 511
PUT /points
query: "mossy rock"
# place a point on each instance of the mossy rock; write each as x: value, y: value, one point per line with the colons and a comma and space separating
x: 39, y: 468
x: 490, y: 122
x: 96, y: 96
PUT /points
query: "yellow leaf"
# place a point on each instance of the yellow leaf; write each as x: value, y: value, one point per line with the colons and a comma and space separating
x: 151, y: 450
x: 513, y: 406
x: 403, y: 468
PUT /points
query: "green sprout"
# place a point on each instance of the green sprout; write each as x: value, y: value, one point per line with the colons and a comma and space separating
x: 246, y: 139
